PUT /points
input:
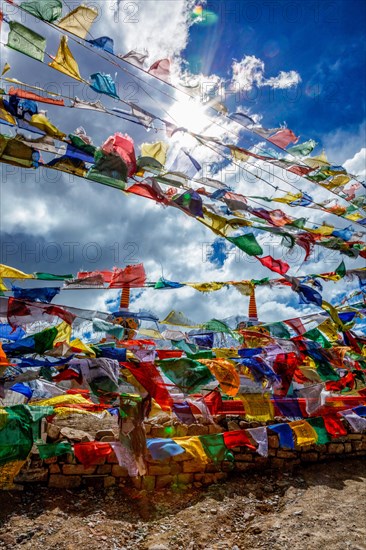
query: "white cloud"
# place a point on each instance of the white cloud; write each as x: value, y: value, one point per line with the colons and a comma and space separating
x: 249, y: 72
x: 357, y: 164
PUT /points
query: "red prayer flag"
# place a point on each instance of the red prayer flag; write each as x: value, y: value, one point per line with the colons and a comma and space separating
x: 132, y: 276
x: 90, y: 452
x: 161, y: 69
x: 149, y: 377
x: 23, y: 94
x: 274, y: 265
x: 237, y: 438
x: 334, y: 426
x: 283, y: 137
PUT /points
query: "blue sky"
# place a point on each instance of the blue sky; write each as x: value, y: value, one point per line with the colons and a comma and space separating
x: 318, y: 47
x: 322, y: 40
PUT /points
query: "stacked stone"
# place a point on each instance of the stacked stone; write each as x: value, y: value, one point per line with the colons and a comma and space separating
x: 65, y: 472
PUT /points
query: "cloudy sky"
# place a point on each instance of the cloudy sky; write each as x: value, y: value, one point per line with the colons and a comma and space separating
x: 294, y: 63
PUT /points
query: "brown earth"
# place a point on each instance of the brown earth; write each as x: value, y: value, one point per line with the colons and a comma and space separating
x: 319, y: 507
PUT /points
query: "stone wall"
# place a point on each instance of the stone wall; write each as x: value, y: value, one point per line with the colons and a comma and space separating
x: 65, y: 472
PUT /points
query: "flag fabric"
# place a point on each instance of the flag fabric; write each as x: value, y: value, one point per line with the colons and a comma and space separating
x: 36, y: 294
x: 65, y: 61
x: 26, y: 41
x: 157, y: 151
x: 163, y: 448
x: 132, y: 276
x: 247, y: 243
x: 23, y: 94
x: 303, y: 149
x: 283, y: 137
x: 161, y: 69
x: 90, y: 452
x: 21, y: 312
x: 135, y: 58
x: 78, y: 21
x: 123, y: 146
x: 104, y: 84
x: 274, y: 265
x: 103, y: 43
x: 41, y: 121
x: 187, y: 374
x: 49, y: 10
x: 260, y: 436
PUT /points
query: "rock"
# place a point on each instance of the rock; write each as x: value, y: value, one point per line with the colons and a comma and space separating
x: 108, y: 438
x: 33, y: 475
x: 105, y: 433
x: 53, y: 431
x: 76, y: 435
x: 232, y: 426
x: 158, y: 547
x: 64, y: 482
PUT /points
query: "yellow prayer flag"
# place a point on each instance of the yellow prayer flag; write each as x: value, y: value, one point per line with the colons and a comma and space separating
x: 257, y: 407
x: 354, y: 217
x: 304, y: 433
x: 239, y: 155
x: 5, y: 69
x: 193, y: 446
x: 7, y: 272
x: 318, y: 161
x: 225, y: 352
x: 156, y: 151
x: 65, y: 61
x: 4, y: 115
x: 334, y: 314
x: 63, y: 333
x: 42, y: 122
x: 3, y: 287
x: 206, y: 287
x: 78, y: 21
x: 289, y: 197
x: 338, y: 180
x: 8, y: 472
x: 67, y: 399
x: 79, y: 347
x: 329, y: 330
x: 322, y: 230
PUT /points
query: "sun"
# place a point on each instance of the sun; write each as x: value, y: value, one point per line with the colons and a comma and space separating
x: 190, y: 114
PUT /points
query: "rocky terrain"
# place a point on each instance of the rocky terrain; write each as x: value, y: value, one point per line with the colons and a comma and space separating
x: 319, y: 506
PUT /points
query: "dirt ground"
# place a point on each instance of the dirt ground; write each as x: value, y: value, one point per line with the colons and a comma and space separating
x: 318, y: 507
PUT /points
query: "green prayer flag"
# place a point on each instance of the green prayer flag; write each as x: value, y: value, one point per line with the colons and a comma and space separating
x: 326, y: 371
x: 303, y: 149
x: 47, y: 10
x: 48, y: 450
x: 299, y: 223
x: 319, y: 337
x: 248, y: 244
x: 278, y: 330
x: 215, y: 447
x: 50, y: 277
x: 80, y: 144
x: 26, y: 41
x: 188, y: 375
x: 20, y: 430
x: 341, y: 270
x: 318, y: 425
x: 43, y: 341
